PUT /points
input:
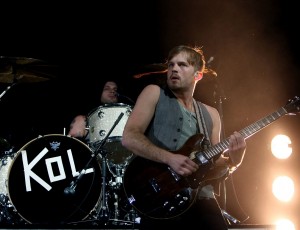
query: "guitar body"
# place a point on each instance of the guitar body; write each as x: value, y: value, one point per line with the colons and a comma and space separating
x: 157, y: 191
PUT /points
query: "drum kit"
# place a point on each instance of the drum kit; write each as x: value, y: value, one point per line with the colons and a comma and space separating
x: 57, y: 179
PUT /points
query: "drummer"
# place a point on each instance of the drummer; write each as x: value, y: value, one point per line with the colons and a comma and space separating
x: 108, y: 96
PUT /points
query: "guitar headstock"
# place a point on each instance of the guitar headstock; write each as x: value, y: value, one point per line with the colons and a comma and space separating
x: 293, y: 105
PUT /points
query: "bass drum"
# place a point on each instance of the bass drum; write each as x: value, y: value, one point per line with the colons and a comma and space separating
x: 40, y: 177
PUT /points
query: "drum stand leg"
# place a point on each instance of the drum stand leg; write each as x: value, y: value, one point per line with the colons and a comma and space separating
x: 103, y: 211
x: 116, y: 209
x: 132, y: 216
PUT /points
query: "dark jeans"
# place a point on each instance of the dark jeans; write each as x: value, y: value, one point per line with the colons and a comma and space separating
x: 204, y: 214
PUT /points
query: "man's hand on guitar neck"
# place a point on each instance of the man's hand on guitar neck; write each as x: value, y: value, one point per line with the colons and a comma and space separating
x: 236, y: 150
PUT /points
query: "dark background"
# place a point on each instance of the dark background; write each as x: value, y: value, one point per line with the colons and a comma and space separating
x: 255, y: 50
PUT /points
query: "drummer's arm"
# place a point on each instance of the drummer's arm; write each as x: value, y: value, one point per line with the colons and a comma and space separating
x: 78, y: 127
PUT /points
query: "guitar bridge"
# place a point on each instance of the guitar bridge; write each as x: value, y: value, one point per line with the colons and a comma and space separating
x: 174, y: 174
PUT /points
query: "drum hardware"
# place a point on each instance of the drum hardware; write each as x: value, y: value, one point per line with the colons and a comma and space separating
x: 8, y: 214
x: 132, y: 216
x: 117, y: 158
x: 99, y: 122
x: 121, y: 212
x: 104, y: 211
x: 71, y: 189
x: 7, y: 88
x: 118, y: 176
x: 110, y: 211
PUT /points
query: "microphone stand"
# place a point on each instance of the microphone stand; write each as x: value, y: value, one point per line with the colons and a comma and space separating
x: 219, y: 96
x: 127, y: 98
x: 218, y: 100
x: 103, y: 212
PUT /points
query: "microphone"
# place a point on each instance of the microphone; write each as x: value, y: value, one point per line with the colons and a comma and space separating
x: 70, y: 190
x: 210, y: 71
x: 210, y: 60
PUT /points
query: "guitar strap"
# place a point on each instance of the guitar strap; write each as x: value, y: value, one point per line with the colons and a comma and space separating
x: 200, y: 120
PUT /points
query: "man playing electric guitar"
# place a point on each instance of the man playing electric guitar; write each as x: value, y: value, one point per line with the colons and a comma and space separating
x: 164, y: 129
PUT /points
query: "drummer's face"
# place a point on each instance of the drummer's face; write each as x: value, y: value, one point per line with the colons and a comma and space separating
x: 109, y: 93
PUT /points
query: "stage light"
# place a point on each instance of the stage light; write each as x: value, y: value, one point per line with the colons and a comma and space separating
x: 283, y: 188
x: 284, y: 224
x: 280, y: 146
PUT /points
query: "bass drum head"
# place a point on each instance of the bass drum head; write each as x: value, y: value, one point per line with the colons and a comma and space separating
x: 40, y: 174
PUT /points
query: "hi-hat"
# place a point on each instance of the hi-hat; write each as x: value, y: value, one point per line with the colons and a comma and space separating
x: 22, y: 69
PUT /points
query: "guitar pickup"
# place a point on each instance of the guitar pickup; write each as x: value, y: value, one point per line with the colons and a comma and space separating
x: 154, y: 185
x: 202, y: 159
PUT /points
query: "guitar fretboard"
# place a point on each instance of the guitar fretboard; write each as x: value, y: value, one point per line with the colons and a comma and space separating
x: 246, y: 132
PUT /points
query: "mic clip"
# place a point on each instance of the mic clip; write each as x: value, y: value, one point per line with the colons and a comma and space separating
x: 70, y: 190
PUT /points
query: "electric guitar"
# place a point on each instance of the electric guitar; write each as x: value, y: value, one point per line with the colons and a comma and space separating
x: 155, y: 190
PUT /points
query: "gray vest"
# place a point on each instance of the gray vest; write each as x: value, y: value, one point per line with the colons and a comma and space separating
x: 166, y: 125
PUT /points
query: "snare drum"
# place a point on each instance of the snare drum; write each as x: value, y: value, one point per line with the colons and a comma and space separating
x: 100, y: 122
x: 41, y: 176
x: 8, y: 214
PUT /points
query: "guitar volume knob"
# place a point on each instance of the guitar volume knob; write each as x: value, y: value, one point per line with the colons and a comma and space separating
x: 172, y: 209
x: 166, y: 204
x: 181, y: 203
x: 178, y: 196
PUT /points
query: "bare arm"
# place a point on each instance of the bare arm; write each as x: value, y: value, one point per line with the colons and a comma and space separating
x: 137, y: 123
x: 77, y: 126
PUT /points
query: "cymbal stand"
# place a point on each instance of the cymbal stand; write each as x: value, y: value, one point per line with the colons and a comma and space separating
x: 12, y: 84
x: 5, y: 91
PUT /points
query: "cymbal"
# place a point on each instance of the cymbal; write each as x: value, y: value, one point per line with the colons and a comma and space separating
x: 23, y: 69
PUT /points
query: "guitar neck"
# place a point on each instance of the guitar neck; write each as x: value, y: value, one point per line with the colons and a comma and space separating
x: 246, y: 133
